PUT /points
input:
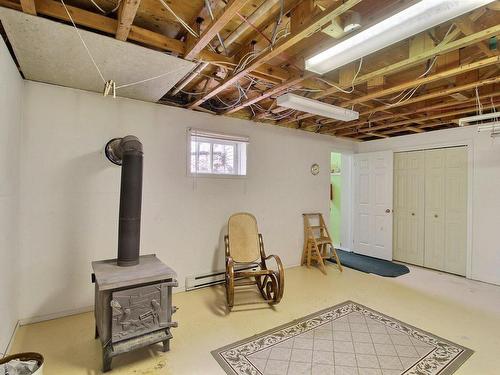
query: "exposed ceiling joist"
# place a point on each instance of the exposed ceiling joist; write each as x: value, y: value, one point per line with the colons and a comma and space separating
x: 425, y: 80
x: 466, y: 59
x: 126, y: 15
x: 138, y: 34
x: 412, y: 61
x: 28, y: 6
x: 273, y: 91
x: 412, y: 121
x: 433, y: 95
x: 420, y: 58
x: 316, y: 23
x: 214, y: 28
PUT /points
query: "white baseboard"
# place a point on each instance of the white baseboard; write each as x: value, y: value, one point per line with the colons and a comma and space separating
x: 60, y: 314
x: 80, y: 310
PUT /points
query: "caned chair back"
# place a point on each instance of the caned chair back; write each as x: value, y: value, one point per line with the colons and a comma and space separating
x: 243, y: 238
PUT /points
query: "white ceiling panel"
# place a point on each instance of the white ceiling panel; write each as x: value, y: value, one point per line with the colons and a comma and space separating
x: 52, y: 52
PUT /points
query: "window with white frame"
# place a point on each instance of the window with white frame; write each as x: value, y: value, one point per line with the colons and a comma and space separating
x: 217, y: 154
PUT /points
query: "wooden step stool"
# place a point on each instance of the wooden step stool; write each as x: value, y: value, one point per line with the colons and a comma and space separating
x: 318, y: 244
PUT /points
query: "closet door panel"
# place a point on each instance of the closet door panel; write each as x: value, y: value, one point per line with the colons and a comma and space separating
x: 409, y: 207
x: 435, y: 185
x: 456, y: 210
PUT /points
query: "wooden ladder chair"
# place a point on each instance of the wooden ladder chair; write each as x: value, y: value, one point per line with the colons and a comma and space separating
x: 318, y: 244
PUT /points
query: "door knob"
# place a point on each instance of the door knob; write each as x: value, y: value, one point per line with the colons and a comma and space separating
x: 388, y: 211
x: 435, y: 215
x: 413, y: 214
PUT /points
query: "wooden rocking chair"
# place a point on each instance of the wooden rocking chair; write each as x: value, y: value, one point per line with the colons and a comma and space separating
x: 245, y: 249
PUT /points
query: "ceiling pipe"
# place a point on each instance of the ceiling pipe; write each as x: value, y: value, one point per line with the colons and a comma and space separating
x: 194, y: 73
x: 252, y: 19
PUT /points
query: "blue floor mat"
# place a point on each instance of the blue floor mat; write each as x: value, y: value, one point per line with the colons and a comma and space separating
x: 368, y: 264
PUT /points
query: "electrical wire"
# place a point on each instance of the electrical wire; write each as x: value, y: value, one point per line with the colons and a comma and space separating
x: 149, y: 79
x: 83, y: 41
x: 181, y: 21
x: 278, y: 22
x: 352, y: 83
x: 104, y: 11
x: 478, y: 102
x: 97, y: 67
x: 221, y: 41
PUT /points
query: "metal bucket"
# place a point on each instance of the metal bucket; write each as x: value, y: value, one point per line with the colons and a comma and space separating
x: 26, y: 357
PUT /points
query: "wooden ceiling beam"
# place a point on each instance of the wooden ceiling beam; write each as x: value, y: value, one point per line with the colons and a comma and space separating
x: 418, y: 59
x: 273, y: 91
x: 410, y: 84
x: 126, y: 15
x: 437, y: 94
x: 425, y: 109
x: 312, y: 26
x: 412, y: 61
x: 467, y: 26
x: 214, y: 28
x: 425, y: 80
x: 28, y: 6
x: 412, y: 121
x: 54, y: 9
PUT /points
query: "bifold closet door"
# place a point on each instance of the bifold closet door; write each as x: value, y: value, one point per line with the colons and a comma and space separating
x: 456, y: 211
x: 446, y: 209
x: 409, y: 171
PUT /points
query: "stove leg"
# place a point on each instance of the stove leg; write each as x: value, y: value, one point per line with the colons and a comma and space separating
x: 106, y: 358
x: 166, y: 345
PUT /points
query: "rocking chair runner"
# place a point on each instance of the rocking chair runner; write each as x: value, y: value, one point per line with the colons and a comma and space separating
x: 245, y: 249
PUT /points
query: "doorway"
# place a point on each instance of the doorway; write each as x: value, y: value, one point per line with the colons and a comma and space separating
x: 335, y: 197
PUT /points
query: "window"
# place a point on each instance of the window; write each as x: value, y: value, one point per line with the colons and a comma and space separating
x: 217, y: 154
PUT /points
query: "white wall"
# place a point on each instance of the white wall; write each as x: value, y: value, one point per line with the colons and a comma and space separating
x: 11, y: 86
x: 70, y: 191
x: 485, y: 184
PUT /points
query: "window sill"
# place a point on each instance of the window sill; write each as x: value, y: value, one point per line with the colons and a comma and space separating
x: 218, y: 176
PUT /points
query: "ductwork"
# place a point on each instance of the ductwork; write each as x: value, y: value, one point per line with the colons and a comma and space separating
x: 127, y: 152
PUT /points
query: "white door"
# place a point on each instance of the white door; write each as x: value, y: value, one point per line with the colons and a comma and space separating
x: 373, y: 204
x: 446, y: 209
x: 409, y: 198
x: 456, y: 210
x: 435, y: 192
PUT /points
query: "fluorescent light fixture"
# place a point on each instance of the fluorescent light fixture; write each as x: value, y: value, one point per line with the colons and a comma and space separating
x: 316, y: 107
x: 410, y: 21
x: 486, y: 116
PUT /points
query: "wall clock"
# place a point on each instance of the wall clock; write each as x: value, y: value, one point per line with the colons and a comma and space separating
x: 315, y: 169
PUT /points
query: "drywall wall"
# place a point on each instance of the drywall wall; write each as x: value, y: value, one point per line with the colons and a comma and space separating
x: 11, y: 86
x: 70, y: 191
x: 484, y: 164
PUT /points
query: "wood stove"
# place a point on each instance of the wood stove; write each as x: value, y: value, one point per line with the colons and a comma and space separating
x: 133, y: 294
x: 133, y: 305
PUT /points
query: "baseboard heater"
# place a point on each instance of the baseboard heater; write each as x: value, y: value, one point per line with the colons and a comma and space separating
x: 208, y: 279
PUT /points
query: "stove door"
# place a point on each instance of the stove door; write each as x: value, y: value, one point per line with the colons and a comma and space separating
x: 138, y: 311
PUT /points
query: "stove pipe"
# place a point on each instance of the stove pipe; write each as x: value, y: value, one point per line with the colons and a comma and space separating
x: 127, y: 152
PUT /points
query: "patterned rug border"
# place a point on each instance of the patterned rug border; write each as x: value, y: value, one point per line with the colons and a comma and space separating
x: 447, y: 370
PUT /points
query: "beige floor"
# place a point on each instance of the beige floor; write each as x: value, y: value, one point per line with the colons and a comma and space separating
x: 460, y: 310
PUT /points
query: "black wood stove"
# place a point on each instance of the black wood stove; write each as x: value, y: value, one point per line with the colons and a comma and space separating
x: 133, y: 294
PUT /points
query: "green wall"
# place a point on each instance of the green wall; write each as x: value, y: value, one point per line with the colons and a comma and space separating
x: 336, y: 181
